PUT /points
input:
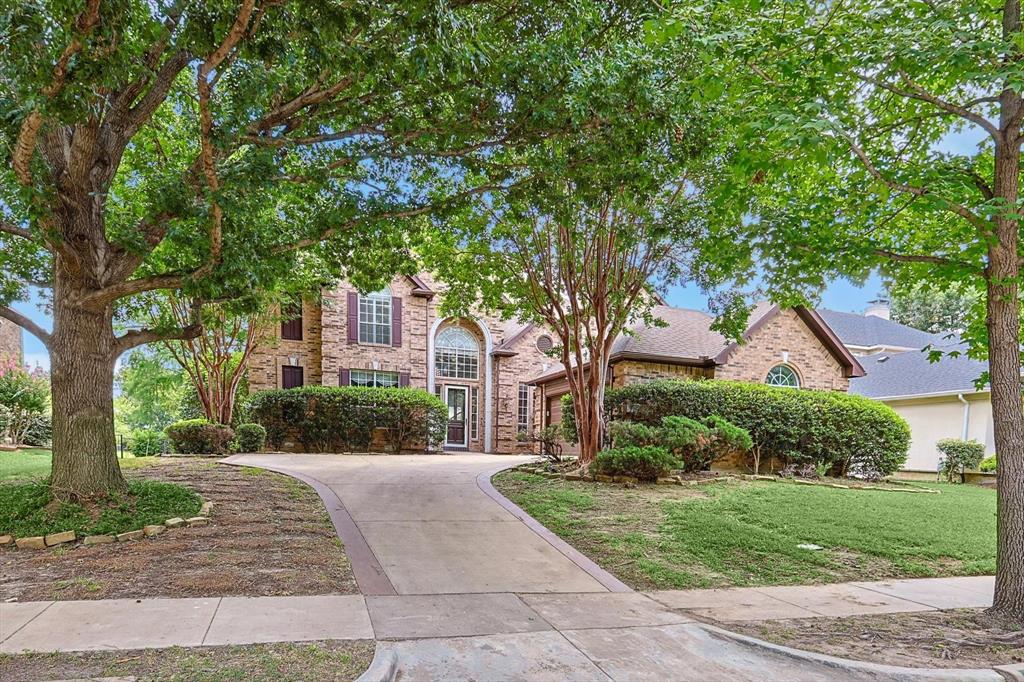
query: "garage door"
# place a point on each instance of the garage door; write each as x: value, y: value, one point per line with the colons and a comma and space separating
x: 555, y: 417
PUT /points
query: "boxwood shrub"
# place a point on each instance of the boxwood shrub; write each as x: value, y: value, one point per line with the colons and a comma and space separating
x: 200, y: 437
x: 250, y: 437
x: 843, y: 433
x: 338, y: 419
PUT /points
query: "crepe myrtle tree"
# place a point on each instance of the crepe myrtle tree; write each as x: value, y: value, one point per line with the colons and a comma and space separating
x: 200, y: 147
x: 885, y: 136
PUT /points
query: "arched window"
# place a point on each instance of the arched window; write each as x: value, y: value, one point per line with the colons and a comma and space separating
x: 457, y: 354
x: 375, y: 317
x: 782, y: 375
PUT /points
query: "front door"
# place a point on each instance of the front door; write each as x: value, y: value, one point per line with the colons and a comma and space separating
x: 455, y: 397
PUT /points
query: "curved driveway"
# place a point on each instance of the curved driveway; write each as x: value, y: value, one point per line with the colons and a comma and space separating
x: 430, y: 528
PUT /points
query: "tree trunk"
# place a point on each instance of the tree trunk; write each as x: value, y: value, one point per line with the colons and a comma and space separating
x: 1003, y: 323
x: 82, y: 356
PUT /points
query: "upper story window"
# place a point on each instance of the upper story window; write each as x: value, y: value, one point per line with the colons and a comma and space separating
x: 375, y: 318
x: 782, y: 375
x: 457, y: 354
x: 291, y: 322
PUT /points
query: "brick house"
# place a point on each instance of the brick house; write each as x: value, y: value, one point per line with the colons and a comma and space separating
x: 10, y: 342
x: 785, y: 347
x: 496, y: 376
x: 397, y: 337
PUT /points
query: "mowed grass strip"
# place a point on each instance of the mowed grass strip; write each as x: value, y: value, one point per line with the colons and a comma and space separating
x: 748, y: 533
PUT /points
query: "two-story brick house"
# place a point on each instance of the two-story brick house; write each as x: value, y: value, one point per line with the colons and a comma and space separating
x: 397, y: 337
x: 497, y: 377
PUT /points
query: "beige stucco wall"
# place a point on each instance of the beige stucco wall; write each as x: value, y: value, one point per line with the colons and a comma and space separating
x: 932, y: 419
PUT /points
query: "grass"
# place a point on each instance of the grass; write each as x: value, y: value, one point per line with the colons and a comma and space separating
x: 747, y: 533
x: 338, y: 660
x: 28, y: 509
x: 29, y: 463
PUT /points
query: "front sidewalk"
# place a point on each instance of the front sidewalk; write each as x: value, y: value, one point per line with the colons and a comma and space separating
x: 155, y: 623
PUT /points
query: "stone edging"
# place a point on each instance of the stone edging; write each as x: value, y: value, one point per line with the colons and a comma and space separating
x: 678, y: 480
x: 606, y: 579
x: 69, y: 536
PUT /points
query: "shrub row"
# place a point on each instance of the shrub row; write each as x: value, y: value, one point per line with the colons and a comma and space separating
x: 842, y: 433
x: 333, y: 419
x: 693, y: 445
x: 201, y: 437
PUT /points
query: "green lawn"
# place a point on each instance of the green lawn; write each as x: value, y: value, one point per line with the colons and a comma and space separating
x: 747, y: 533
x: 27, y: 509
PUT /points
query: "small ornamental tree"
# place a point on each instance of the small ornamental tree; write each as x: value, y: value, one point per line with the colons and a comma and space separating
x: 201, y: 147
x: 24, y: 397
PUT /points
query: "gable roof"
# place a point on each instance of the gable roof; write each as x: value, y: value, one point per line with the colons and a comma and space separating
x: 910, y: 373
x: 687, y: 339
x: 868, y: 331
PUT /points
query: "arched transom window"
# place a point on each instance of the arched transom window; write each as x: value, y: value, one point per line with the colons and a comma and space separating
x: 375, y: 318
x: 782, y: 375
x: 457, y: 354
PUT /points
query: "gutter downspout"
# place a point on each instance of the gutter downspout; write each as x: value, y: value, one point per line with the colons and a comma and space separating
x: 967, y: 415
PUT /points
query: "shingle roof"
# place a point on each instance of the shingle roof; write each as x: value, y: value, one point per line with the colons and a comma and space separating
x: 854, y: 329
x: 910, y: 374
x: 687, y: 336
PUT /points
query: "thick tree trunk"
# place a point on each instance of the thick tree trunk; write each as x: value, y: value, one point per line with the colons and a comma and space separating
x: 1003, y: 323
x: 82, y: 356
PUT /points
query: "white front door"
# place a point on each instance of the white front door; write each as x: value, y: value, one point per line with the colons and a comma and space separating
x: 455, y: 398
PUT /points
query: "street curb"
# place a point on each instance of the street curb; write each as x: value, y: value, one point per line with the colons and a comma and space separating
x: 879, y: 670
x: 383, y: 667
x: 606, y: 579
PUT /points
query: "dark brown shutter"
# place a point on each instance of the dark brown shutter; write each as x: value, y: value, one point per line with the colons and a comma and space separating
x: 343, y: 379
x: 291, y: 376
x: 291, y: 323
x: 396, y: 322
x: 353, y: 317
x: 403, y: 379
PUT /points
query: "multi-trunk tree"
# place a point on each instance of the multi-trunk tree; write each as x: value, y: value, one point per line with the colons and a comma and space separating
x: 855, y: 132
x: 204, y: 147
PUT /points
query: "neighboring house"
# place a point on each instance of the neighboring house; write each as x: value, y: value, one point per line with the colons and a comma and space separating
x: 10, y: 343
x: 784, y: 347
x: 396, y: 337
x: 938, y: 399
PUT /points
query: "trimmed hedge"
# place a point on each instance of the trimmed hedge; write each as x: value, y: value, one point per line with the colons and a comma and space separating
x: 643, y: 462
x: 695, y: 444
x: 845, y: 434
x: 988, y: 465
x: 250, y: 437
x: 337, y: 419
x: 200, y: 437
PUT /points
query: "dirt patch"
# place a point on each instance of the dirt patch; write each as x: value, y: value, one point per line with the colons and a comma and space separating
x: 268, y: 535
x: 334, y: 660
x: 961, y: 638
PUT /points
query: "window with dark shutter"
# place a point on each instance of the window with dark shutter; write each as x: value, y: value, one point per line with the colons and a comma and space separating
x: 291, y: 376
x: 291, y: 322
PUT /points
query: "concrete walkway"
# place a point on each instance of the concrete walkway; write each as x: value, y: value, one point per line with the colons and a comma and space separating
x: 423, y: 524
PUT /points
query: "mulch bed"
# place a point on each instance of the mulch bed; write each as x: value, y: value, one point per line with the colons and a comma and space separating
x: 337, y: 661
x: 268, y: 535
x: 960, y: 638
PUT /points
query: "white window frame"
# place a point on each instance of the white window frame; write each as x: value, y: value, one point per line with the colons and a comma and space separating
x: 375, y: 318
x: 523, y: 409
x: 778, y: 370
x: 372, y: 378
x: 457, y: 354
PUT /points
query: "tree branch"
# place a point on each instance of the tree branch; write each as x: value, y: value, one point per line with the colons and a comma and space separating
x: 130, y: 287
x: 26, y: 324
x: 11, y: 228
x: 139, y: 337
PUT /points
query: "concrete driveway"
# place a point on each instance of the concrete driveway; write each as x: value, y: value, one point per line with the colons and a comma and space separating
x: 425, y: 524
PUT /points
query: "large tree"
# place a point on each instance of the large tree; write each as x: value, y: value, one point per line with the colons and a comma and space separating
x: 882, y: 135
x: 946, y: 308
x: 202, y: 146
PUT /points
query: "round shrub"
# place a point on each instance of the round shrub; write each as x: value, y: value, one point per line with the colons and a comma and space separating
x: 145, y: 443
x: 250, y: 437
x: 959, y: 455
x: 344, y: 418
x: 987, y: 465
x: 843, y: 433
x: 200, y: 437
x: 645, y: 463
